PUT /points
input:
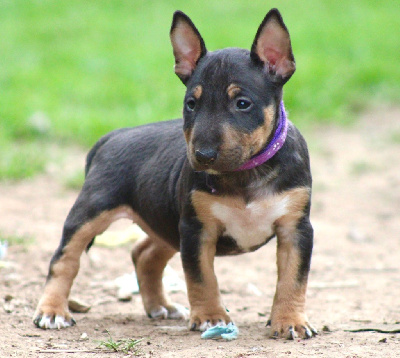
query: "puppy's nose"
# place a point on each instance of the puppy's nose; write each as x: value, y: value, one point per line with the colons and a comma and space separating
x: 206, y: 156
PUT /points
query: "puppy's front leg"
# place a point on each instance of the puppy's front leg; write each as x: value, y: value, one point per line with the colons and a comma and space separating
x: 295, y: 242
x: 197, y: 252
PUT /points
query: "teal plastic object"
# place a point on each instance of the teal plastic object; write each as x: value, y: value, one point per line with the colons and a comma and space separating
x: 228, y: 332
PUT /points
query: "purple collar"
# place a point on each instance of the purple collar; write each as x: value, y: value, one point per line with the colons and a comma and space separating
x: 273, y: 146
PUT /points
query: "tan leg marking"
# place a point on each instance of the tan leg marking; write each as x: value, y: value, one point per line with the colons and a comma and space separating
x: 202, y: 202
x: 54, y: 300
x: 286, y: 225
x: 206, y: 307
x: 150, y: 257
x: 288, y: 311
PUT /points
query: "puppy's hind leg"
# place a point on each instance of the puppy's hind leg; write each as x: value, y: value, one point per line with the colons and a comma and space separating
x: 150, y: 256
x: 88, y: 217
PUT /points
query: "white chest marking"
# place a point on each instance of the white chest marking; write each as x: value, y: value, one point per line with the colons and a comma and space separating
x: 250, y: 225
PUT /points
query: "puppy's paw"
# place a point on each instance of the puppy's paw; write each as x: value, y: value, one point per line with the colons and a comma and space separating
x: 292, y: 327
x: 177, y: 311
x: 50, y: 321
x: 172, y: 311
x: 52, y: 313
x: 201, y: 320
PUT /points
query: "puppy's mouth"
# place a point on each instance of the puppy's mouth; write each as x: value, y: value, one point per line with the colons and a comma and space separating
x: 200, y: 167
x: 206, y: 168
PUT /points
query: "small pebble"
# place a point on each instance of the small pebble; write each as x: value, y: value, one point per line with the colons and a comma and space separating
x: 8, y: 298
x: 326, y: 329
x: 8, y: 307
x: 124, y: 294
x: 78, y: 307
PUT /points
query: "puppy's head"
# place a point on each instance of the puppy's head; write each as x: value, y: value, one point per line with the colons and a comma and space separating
x: 231, y: 106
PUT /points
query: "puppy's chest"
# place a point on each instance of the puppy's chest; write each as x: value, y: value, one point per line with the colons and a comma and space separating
x: 248, y: 225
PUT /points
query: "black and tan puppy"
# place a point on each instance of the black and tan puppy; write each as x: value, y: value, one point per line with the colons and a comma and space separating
x: 237, y: 176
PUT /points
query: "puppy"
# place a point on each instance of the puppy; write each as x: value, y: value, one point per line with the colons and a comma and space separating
x: 237, y: 176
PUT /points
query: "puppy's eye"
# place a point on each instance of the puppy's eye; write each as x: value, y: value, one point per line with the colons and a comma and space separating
x: 242, y: 104
x: 190, y: 104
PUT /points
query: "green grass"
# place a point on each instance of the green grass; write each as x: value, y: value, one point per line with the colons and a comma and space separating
x: 14, y: 240
x: 395, y: 137
x: 88, y: 67
x: 362, y: 167
x: 126, y: 346
x: 20, y: 159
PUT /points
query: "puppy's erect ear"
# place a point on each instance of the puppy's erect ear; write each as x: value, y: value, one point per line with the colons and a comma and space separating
x: 187, y: 44
x: 272, y: 47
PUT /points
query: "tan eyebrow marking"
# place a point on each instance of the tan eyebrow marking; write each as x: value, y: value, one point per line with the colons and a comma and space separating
x: 197, y: 92
x: 233, y: 90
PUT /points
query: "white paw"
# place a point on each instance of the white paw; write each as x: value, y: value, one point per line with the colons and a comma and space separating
x: 161, y: 313
x: 179, y: 313
x: 51, y: 322
x: 208, y: 324
x: 175, y: 311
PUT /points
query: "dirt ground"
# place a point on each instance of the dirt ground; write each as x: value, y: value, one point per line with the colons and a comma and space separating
x: 354, y: 282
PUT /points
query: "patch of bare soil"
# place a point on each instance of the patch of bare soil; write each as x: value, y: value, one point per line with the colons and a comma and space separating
x: 354, y: 282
